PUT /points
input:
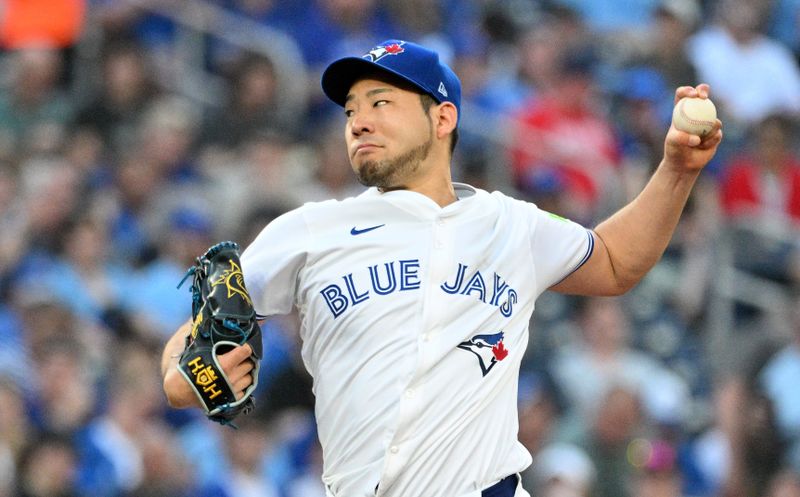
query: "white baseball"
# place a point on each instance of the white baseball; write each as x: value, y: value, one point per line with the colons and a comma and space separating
x: 694, y: 115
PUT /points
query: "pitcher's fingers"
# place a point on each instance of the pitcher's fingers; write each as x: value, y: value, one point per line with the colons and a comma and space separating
x: 684, y: 138
x: 684, y: 91
x: 235, y: 356
x: 241, y: 385
x: 701, y: 90
x: 711, y: 140
x: 715, y: 135
x: 240, y: 370
x: 242, y: 352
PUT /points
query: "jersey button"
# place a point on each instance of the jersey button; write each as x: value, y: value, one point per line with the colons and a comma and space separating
x: 394, y: 449
x: 410, y: 393
x: 426, y: 338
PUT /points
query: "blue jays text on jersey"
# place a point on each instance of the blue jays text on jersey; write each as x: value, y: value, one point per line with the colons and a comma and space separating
x: 403, y: 275
x: 413, y: 323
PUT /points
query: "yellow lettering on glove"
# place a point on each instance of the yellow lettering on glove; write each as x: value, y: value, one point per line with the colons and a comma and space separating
x: 205, y: 376
x: 196, y: 365
x: 212, y: 388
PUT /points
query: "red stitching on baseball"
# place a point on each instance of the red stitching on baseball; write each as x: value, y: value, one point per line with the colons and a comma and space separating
x: 689, y: 119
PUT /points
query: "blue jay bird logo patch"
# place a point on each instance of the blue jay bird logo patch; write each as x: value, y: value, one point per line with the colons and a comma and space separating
x: 489, y: 350
x: 382, y: 51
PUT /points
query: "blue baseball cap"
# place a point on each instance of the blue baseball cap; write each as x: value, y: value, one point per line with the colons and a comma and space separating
x: 408, y: 61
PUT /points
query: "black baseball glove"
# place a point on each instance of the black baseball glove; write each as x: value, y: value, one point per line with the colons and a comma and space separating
x: 222, y: 318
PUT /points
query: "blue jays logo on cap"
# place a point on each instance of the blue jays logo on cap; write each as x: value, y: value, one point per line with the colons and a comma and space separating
x: 408, y: 61
x: 488, y: 348
x: 380, y: 52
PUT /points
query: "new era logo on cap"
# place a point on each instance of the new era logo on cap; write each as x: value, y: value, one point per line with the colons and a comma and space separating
x: 411, y: 62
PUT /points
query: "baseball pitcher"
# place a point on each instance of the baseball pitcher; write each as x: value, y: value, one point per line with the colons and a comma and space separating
x: 415, y: 297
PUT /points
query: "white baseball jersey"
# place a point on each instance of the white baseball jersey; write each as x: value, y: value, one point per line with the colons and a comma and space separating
x: 414, y: 319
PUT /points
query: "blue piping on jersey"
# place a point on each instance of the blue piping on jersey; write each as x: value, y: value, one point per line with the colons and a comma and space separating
x: 586, y: 256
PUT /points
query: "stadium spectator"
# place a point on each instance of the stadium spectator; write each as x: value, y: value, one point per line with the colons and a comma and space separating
x: 778, y: 378
x: 111, y: 444
x: 604, y: 360
x: 665, y: 48
x: 564, y: 132
x: 125, y: 90
x: 254, y: 107
x: 763, y: 183
x: 15, y: 433
x: 760, y: 197
x: 83, y: 276
x: 782, y: 23
x: 35, y: 109
x: 676, y: 21
x: 66, y: 395
x: 784, y: 484
x: 48, y: 468
x: 614, y: 18
x: 739, y: 61
x: 643, y: 112
x: 152, y: 296
x: 658, y: 474
x: 331, y: 176
x: 242, y: 470
x: 617, y: 423
x: 563, y: 470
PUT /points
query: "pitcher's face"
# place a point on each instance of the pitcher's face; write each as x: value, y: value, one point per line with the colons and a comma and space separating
x: 388, y: 133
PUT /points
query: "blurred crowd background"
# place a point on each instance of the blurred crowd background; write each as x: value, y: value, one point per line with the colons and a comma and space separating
x: 134, y: 134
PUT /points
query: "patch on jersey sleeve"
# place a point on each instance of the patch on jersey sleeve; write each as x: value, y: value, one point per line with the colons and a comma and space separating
x: 488, y: 348
x: 557, y: 217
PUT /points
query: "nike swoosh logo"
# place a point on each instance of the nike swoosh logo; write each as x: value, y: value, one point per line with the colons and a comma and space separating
x: 355, y: 231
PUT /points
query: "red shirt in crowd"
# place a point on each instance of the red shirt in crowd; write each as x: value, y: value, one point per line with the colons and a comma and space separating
x: 574, y: 142
x: 748, y: 190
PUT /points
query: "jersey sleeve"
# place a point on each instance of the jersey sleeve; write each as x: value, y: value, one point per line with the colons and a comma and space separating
x: 271, y: 263
x: 559, y: 247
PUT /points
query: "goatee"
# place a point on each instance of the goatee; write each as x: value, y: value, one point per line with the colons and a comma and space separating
x: 389, y: 173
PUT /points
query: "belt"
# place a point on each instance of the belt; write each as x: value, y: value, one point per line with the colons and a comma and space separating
x: 506, y: 487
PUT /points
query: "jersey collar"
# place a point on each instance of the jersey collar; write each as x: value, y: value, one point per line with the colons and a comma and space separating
x: 422, y: 205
